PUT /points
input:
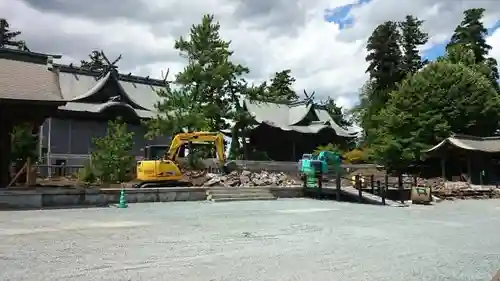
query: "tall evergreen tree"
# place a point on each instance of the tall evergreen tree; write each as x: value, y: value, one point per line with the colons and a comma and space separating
x: 208, y: 89
x: 384, y: 60
x: 212, y: 78
x: 385, y: 70
x: 412, y: 37
x: 472, y: 34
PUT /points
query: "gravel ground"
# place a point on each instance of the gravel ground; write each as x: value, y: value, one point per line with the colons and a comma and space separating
x: 297, y: 239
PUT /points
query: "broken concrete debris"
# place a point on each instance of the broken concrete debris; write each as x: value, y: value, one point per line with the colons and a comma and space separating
x: 249, y: 179
x: 451, y: 190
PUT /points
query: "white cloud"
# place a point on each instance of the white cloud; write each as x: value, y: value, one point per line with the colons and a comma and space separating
x: 267, y: 36
x: 440, y: 16
x: 494, y: 42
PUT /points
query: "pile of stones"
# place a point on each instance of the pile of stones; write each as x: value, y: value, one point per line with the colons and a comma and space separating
x: 250, y: 179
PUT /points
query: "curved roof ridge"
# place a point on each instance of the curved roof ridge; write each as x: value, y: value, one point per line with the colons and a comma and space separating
x: 471, y: 137
x: 96, y: 88
x: 295, y: 116
x: 101, y: 83
x: 132, y: 100
x: 471, y: 143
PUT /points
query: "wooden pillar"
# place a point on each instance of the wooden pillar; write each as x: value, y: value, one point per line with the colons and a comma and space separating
x: 359, y: 187
x: 400, y: 188
x: 385, y: 188
x: 443, y: 168
x: 338, y: 185
x: 481, y: 168
x: 5, y: 152
x: 469, y: 169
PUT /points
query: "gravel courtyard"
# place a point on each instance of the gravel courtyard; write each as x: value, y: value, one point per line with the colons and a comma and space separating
x: 296, y: 239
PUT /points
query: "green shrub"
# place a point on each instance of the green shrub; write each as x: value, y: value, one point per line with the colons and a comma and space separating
x: 87, y: 174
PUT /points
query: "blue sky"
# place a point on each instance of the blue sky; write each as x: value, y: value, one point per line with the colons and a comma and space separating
x: 340, y: 15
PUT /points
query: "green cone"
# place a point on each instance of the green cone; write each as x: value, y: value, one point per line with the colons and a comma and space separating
x: 123, y: 201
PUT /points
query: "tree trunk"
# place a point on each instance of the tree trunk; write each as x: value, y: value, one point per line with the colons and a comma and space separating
x: 235, y: 144
x: 244, y: 143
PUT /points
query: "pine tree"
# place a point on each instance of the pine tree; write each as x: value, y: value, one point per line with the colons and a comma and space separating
x: 211, y: 77
x: 207, y: 92
x: 384, y: 60
x: 95, y: 61
x: 281, y: 87
x: 472, y: 33
x: 385, y: 70
x: 411, y: 37
x: 8, y: 37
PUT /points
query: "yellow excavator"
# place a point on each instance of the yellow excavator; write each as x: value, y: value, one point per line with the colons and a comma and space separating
x: 159, y: 167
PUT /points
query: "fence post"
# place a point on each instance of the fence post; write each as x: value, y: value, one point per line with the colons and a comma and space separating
x: 372, y: 183
x: 338, y: 184
x: 385, y: 188
x: 358, y: 186
x: 401, y: 190
x: 320, y: 185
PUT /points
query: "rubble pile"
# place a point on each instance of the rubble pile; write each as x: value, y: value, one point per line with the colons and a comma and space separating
x: 249, y: 179
x: 449, y: 190
x: 452, y: 190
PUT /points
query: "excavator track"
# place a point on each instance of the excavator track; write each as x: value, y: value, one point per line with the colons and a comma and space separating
x: 158, y: 184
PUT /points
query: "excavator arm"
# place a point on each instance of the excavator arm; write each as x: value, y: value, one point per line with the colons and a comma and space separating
x: 197, y: 137
x: 330, y: 158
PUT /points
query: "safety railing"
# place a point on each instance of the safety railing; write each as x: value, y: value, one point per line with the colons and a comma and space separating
x: 399, y: 189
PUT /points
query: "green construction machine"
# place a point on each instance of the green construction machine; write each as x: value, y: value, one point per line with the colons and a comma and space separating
x: 312, y: 168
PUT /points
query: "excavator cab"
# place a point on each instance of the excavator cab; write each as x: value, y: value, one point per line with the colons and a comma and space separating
x: 154, y: 152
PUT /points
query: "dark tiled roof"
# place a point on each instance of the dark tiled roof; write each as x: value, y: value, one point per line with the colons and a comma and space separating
x: 20, y: 80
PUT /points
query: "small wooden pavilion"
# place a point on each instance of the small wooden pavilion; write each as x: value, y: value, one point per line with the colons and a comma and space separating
x: 470, y: 158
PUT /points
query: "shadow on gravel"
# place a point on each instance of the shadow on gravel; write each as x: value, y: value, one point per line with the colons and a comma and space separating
x: 10, y: 209
x: 315, y: 194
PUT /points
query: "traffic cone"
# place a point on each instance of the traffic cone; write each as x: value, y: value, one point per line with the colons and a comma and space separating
x: 123, y: 201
